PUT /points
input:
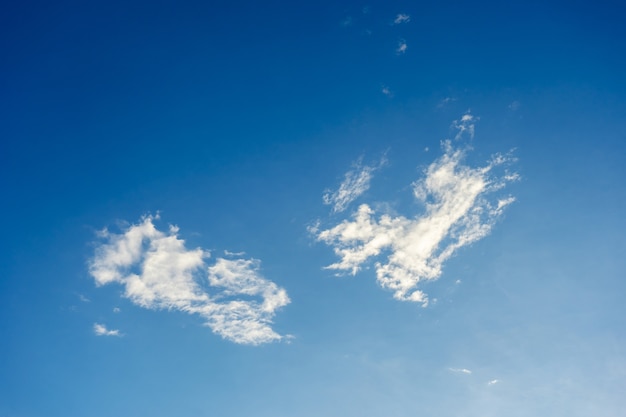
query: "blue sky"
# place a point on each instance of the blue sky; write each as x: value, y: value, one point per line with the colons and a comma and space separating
x: 341, y: 209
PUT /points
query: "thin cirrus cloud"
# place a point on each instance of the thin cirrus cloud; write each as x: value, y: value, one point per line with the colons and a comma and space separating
x: 101, y: 330
x: 356, y: 181
x: 158, y: 272
x: 459, y: 209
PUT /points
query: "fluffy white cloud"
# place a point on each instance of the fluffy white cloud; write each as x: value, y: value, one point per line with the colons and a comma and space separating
x: 401, y: 18
x: 159, y: 272
x: 458, y: 210
x: 355, y: 182
x: 101, y: 330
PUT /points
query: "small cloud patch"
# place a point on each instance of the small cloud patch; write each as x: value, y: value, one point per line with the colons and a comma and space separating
x: 101, y: 330
x: 401, y: 18
x: 402, y: 47
x: 460, y: 370
x: 355, y: 182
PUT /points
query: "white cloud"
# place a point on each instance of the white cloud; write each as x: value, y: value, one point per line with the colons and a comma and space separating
x: 458, y: 211
x: 356, y: 182
x: 401, y: 18
x: 386, y: 91
x: 83, y: 298
x: 460, y: 370
x: 116, y: 309
x: 159, y: 272
x: 101, y: 330
x: 402, y: 46
x: 493, y: 382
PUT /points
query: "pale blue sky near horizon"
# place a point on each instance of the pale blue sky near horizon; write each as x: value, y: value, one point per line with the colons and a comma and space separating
x: 342, y: 209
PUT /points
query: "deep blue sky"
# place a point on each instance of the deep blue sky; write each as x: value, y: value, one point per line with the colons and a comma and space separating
x: 231, y: 120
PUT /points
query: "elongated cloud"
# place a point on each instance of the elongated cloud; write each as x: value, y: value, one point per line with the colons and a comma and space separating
x: 101, y: 330
x: 159, y: 272
x: 459, y: 209
x: 460, y: 370
x: 355, y: 182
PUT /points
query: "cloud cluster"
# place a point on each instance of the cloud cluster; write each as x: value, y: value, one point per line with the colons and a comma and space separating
x: 159, y: 272
x: 458, y: 211
x: 355, y: 182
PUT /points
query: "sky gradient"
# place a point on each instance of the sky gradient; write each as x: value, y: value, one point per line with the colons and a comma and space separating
x: 340, y: 209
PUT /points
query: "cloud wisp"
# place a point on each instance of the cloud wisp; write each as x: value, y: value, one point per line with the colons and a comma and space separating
x: 401, y: 18
x: 459, y: 209
x: 445, y: 101
x: 101, y: 330
x: 460, y: 370
x: 356, y: 181
x: 158, y: 272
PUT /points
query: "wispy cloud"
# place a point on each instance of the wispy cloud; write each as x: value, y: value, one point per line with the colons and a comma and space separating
x: 445, y: 101
x: 515, y: 105
x: 401, y: 18
x: 355, y: 182
x: 460, y: 370
x: 466, y: 125
x: 83, y: 298
x: 459, y: 209
x: 116, y: 309
x: 493, y: 382
x: 348, y: 21
x: 402, y: 47
x: 159, y: 272
x: 386, y: 91
x: 101, y: 330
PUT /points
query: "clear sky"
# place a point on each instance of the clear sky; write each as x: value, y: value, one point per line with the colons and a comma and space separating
x: 235, y: 208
